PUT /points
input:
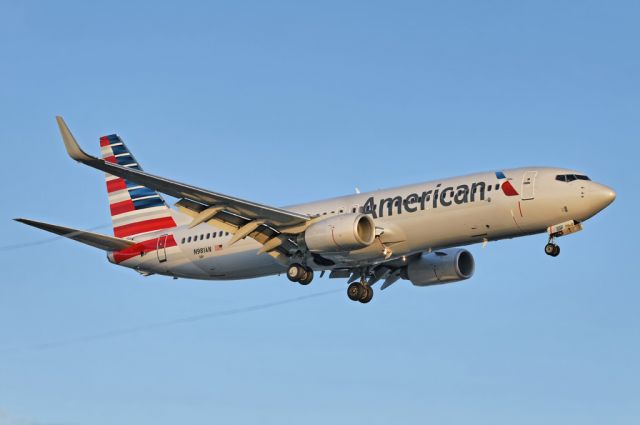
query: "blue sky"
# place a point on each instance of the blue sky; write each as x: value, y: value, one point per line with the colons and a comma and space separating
x: 284, y: 102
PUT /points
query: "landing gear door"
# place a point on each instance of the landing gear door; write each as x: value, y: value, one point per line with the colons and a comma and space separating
x: 528, y: 185
x: 162, y: 251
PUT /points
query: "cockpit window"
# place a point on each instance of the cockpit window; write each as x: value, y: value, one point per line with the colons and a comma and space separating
x: 571, y: 177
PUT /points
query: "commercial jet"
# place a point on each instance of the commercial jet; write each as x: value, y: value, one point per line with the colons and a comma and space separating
x: 412, y: 232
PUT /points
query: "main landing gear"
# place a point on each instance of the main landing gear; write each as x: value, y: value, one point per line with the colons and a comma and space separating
x: 299, y: 273
x: 360, y: 291
x: 551, y: 248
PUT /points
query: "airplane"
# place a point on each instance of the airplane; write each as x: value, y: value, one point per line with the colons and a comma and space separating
x: 413, y: 232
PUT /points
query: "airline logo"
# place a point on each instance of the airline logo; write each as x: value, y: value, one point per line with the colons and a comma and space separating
x: 437, y: 197
x: 505, y: 185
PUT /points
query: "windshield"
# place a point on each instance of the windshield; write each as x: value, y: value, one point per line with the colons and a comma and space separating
x: 571, y: 177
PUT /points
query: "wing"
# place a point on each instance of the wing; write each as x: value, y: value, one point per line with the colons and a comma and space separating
x: 390, y: 271
x: 107, y: 243
x: 268, y: 225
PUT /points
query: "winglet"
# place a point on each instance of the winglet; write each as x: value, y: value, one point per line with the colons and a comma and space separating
x: 73, y: 149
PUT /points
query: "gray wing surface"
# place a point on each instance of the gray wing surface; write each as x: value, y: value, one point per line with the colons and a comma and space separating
x: 96, y: 240
x: 276, y: 217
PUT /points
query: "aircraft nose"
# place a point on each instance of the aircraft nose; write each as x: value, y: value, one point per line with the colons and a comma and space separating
x: 601, y: 196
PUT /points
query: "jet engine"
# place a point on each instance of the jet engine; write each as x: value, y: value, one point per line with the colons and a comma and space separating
x: 342, y: 233
x: 443, y: 266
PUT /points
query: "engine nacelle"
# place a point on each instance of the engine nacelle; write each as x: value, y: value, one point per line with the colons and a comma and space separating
x: 443, y: 266
x: 342, y: 233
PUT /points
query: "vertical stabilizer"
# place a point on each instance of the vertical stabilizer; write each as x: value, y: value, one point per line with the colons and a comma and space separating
x: 134, y: 209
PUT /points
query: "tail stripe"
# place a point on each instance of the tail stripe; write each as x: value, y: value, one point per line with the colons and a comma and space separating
x: 119, y: 149
x: 144, y: 226
x: 134, y: 209
x: 115, y: 185
x: 138, y: 215
x: 122, y: 207
x: 147, y: 203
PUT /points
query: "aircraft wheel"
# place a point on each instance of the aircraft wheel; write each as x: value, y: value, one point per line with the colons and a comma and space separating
x: 556, y: 251
x: 368, y: 294
x: 354, y: 292
x: 550, y: 249
x: 295, y: 272
x: 307, y: 277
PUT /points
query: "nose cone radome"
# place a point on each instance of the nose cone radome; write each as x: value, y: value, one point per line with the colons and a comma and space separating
x: 601, y: 196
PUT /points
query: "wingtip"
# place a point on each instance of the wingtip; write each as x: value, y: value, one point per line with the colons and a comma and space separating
x: 24, y: 221
x: 70, y: 143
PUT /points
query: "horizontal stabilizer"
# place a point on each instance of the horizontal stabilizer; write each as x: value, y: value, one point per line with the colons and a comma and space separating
x: 107, y: 243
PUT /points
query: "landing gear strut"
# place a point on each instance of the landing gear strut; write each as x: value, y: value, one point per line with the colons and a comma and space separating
x: 299, y: 273
x: 360, y: 291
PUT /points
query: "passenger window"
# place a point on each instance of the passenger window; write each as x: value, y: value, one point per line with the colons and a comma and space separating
x: 182, y: 241
x: 201, y: 237
x: 497, y: 186
x: 213, y: 235
x: 354, y: 209
x: 189, y: 239
x: 208, y: 234
x: 226, y: 233
x: 489, y: 189
x: 220, y: 233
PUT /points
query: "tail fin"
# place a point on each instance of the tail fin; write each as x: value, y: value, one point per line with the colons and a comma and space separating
x: 135, y: 209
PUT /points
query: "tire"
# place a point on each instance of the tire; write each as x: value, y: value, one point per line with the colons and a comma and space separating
x: 550, y: 249
x: 368, y: 295
x: 307, y: 277
x: 295, y: 272
x: 556, y: 251
x: 353, y: 291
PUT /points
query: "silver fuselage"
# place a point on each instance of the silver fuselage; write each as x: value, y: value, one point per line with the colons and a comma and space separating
x: 409, y: 219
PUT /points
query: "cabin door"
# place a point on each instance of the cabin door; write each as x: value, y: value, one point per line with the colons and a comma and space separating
x: 162, y: 250
x: 528, y: 185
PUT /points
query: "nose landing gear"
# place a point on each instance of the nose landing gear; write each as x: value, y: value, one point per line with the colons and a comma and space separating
x: 552, y: 249
x: 557, y: 230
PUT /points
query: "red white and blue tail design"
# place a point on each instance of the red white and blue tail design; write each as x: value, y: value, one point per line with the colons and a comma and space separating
x: 135, y: 209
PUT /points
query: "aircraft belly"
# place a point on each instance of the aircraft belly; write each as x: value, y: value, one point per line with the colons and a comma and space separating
x: 239, y: 265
